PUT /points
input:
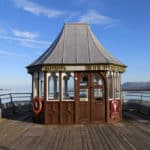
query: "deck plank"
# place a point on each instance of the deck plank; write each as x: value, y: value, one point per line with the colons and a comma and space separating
x: 16, y: 135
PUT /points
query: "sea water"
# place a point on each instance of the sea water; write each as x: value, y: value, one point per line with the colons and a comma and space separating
x: 136, y: 95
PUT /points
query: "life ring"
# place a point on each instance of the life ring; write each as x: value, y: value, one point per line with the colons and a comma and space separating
x: 37, y: 105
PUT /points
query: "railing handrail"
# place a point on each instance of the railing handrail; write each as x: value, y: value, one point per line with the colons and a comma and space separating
x: 139, y: 95
x: 11, y: 97
x: 14, y: 94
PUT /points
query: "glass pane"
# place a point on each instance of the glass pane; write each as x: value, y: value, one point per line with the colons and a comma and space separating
x: 98, y: 94
x: 53, y: 87
x: 68, y: 86
x: 83, y: 95
x: 42, y: 88
x: 41, y: 85
x: 117, y: 88
x: 97, y: 80
x: 84, y: 81
x: 110, y: 87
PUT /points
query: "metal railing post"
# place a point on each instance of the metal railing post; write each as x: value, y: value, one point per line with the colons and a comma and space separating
x: 11, y: 99
x: 0, y: 108
x: 140, y: 102
x: 0, y: 102
x: 13, y: 105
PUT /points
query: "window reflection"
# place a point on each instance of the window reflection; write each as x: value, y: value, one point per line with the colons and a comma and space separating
x: 41, y: 84
x: 98, y: 94
x: 53, y: 89
x: 117, y: 87
x: 84, y: 81
x: 83, y: 95
x: 97, y: 80
x: 68, y: 86
x: 110, y: 87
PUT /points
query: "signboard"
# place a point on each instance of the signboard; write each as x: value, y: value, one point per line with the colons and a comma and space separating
x: 115, y: 108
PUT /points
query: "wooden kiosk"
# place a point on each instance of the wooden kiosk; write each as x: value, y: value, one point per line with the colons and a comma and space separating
x: 76, y: 80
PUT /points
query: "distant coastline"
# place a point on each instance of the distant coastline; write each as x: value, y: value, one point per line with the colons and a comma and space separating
x: 136, y: 86
x: 1, y: 89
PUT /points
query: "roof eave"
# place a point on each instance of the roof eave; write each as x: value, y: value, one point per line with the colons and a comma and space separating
x: 61, y: 67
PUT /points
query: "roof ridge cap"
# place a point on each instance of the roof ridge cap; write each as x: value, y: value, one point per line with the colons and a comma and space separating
x: 76, y: 23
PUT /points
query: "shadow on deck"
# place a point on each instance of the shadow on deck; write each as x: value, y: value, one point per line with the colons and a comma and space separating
x: 19, y: 112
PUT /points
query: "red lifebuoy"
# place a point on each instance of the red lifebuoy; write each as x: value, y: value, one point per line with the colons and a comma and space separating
x: 37, y: 105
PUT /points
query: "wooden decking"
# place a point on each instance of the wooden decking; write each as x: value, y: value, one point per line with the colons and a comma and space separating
x: 23, y: 135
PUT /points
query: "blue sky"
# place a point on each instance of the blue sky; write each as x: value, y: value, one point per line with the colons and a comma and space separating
x: 28, y: 27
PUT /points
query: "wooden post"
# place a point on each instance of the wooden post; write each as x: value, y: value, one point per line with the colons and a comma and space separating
x: 45, y: 96
x: 0, y: 108
x: 11, y: 99
x: 13, y: 106
x: 106, y: 100
x: 38, y: 88
x: 0, y: 102
x: 32, y: 94
x: 61, y: 96
x: 140, y: 101
x: 76, y: 97
x: 107, y: 97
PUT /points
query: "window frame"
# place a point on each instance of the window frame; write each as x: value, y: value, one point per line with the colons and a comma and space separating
x: 63, y: 74
x: 50, y: 75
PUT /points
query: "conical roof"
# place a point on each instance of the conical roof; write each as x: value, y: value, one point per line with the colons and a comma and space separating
x: 76, y: 44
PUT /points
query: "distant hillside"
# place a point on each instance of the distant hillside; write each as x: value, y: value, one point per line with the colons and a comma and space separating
x: 4, y: 89
x: 136, y: 86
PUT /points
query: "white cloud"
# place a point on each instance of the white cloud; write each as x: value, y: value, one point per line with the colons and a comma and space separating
x: 71, y: 16
x: 111, y: 25
x: 93, y: 17
x: 29, y: 45
x: 37, y: 9
x: 7, y: 53
x: 25, y: 34
x: 24, y: 40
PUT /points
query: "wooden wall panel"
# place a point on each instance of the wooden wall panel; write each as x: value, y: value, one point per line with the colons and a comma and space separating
x: 52, y: 113
x: 83, y: 112
x: 97, y: 112
x: 67, y: 115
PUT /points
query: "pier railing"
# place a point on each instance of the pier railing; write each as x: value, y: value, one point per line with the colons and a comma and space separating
x: 15, y: 103
x: 136, y: 101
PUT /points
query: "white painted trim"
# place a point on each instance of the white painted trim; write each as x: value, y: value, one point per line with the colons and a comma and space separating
x: 46, y: 98
x: 35, y: 89
x: 110, y: 99
x: 53, y: 100
x: 48, y: 74
x: 75, y: 68
x: 65, y: 100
